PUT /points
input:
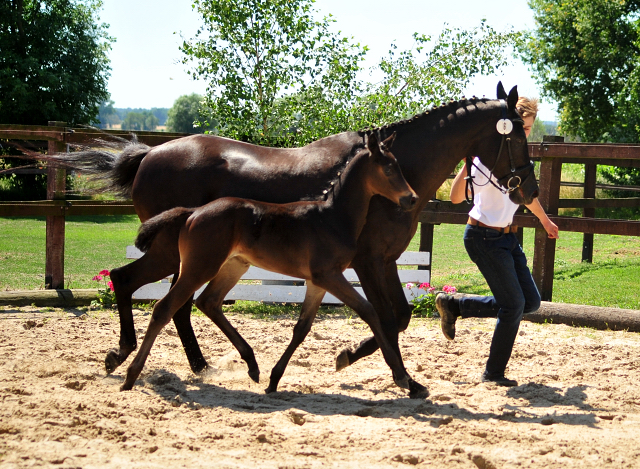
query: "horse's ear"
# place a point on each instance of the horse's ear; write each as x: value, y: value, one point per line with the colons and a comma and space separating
x: 372, y: 143
x: 389, y: 141
x: 502, y: 94
x: 512, y: 100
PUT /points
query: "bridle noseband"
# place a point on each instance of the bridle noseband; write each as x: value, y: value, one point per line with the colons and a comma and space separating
x: 511, y: 181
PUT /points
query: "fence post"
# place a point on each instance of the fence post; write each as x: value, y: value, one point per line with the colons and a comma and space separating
x: 545, y: 248
x: 590, y: 170
x: 56, y: 180
x: 426, y: 242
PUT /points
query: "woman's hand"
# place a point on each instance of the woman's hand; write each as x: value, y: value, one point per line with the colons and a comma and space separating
x: 550, y: 227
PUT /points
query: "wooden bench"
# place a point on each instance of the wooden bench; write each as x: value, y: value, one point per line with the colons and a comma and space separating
x: 285, y: 291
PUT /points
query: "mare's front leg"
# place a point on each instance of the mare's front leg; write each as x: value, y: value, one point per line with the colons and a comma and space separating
x: 210, y: 303
x: 162, y: 314
x: 385, y: 294
x: 153, y: 266
x: 345, y: 292
x: 312, y: 299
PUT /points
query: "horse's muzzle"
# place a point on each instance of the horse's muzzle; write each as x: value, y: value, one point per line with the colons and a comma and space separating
x: 408, y: 202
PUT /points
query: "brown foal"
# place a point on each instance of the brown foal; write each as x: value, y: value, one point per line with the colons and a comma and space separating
x: 313, y: 240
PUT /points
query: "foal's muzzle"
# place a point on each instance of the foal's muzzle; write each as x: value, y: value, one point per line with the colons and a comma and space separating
x: 408, y: 202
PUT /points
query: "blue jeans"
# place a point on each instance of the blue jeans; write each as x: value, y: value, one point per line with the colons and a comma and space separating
x: 504, y: 266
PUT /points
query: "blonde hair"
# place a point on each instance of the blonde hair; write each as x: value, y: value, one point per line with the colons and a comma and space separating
x: 527, y: 107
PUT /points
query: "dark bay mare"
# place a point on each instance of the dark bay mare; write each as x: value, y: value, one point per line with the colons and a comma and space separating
x: 194, y: 170
x: 313, y: 240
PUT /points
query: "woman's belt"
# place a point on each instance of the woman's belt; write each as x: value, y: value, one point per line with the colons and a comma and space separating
x: 506, y: 229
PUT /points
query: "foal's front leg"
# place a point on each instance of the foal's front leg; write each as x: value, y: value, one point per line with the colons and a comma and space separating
x: 345, y: 292
x: 312, y: 300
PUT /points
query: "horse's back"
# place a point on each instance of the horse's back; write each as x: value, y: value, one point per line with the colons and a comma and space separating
x: 194, y: 170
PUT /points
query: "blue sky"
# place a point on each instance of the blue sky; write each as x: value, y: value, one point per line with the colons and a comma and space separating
x: 145, y: 59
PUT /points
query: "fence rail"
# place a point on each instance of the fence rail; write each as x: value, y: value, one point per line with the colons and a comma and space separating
x: 550, y: 154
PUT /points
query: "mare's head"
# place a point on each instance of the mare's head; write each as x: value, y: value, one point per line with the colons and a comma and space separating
x: 505, y: 150
x: 386, y: 178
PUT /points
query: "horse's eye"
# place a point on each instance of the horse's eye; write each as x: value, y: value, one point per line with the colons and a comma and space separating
x: 387, y: 170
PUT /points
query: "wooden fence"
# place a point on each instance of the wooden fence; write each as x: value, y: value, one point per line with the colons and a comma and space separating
x: 551, y: 155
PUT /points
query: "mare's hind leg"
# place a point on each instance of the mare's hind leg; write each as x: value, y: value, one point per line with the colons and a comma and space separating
x: 162, y: 314
x: 153, y: 266
x: 182, y: 321
x: 345, y: 292
x: 383, y: 293
x: 210, y: 303
x: 312, y: 300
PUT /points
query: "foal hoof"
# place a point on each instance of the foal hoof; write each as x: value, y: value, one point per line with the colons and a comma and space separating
x: 342, y: 360
x: 112, y: 360
x: 254, y: 375
x: 417, y: 390
x: 270, y: 389
x: 403, y: 382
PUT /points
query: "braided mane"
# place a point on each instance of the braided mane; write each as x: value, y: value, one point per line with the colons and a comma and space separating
x: 436, y: 112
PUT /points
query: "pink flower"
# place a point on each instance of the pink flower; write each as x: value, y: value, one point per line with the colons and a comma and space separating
x: 449, y: 289
x: 97, y: 278
x: 104, y: 272
x: 410, y: 285
x: 110, y: 285
x: 424, y: 286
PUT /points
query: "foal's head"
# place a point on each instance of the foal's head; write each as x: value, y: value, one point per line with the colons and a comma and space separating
x: 385, y: 177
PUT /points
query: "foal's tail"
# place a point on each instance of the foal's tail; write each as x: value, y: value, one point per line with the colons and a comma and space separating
x: 113, y: 163
x: 168, y: 222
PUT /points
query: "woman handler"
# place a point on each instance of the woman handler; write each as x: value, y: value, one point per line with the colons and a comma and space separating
x: 492, y: 245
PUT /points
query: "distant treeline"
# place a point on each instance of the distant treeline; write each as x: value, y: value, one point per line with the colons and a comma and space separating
x: 131, y: 118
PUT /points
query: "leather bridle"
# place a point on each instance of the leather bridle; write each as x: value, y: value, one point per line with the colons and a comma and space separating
x: 513, y: 180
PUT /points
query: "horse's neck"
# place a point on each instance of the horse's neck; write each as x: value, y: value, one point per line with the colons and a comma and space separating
x: 349, y: 197
x: 429, y: 148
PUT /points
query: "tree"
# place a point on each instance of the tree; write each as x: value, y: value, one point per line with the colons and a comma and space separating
x: 107, y: 115
x: 54, y: 63
x: 277, y: 77
x: 585, y: 54
x: 185, y: 113
x: 412, y: 80
x: 252, y: 52
x: 144, y: 120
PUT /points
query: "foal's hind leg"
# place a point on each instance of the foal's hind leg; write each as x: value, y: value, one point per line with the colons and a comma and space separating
x: 312, y: 300
x: 162, y: 314
x: 153, y: 266
x: 210, y: 303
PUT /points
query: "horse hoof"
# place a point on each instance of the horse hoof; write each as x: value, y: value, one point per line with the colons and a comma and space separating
x: 403, y: 383
x: 112, y: 361
x: 269, y: 390
x: 342, y: 360
x: 126, y: 387
x: 202, y: 370
x: 254, y: 375
x: 417, y: 390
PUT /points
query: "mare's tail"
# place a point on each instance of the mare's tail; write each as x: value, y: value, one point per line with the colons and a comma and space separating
x: 169, y: 222
x: 113, y: 164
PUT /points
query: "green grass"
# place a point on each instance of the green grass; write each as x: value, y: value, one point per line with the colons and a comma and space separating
x: 96, y: 243
x: 91, y: 244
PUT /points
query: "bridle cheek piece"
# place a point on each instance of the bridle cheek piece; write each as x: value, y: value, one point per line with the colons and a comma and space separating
x: 510, y: 182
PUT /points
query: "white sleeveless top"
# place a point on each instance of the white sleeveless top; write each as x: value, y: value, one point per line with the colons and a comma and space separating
x: 490, y: 206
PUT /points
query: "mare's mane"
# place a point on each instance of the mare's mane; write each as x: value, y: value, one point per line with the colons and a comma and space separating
x: 431, y: 117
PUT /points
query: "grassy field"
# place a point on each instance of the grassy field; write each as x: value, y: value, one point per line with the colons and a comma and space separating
x: 96, y: 243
